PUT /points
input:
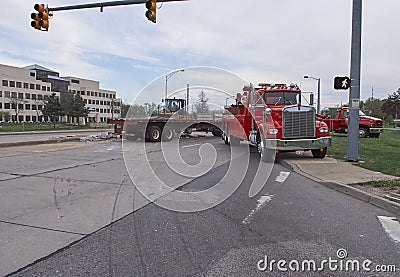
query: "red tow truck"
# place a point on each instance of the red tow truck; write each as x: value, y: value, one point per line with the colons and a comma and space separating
x: 368, y: 125
x: 272, y: 118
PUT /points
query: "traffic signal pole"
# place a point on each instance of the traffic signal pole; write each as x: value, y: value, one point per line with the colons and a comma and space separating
x: 105, y: 4
x: 354, y: 95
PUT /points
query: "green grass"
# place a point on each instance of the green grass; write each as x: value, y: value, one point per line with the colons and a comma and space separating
x: 19, y: 127
x: 378, y: 154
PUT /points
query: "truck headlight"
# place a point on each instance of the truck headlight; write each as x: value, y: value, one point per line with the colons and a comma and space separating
x: 323, y: 130
x: 273, y: 131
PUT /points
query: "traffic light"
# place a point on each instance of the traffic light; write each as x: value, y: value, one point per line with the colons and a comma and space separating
x: 151, y: 13
x: 341, y: 82
x: 41, y: 18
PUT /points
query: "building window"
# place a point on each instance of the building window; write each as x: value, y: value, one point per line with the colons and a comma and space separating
x: 34, y: 107
x: 46, y: 97
x: 5, y: 83
x: 1, y: 105
x: 1, y: 93
x: 12, y: 84
x: 48, y: 88
x: 88, y: 93
x: 91, y: 93
x: 19, y: 85
x: 27, y: 106
x: 13, y: 94
x: 27, y: 96
x: 7, y: 94
x: 20, y: 95
x: 40, y: 97
x: 44, y: 88
x: 37, y: 87
x: 97, y: 102
x: 27, y: 118
x: 31, y: 86
x: 34, y: 118
x: 39, y: 107
x: 33, y: 96
x: 26, y: 85
x: 20, y: 106
x: 82, y: 92
x: 7, y: 106
x: 32, y: 74
x: 74, y: 81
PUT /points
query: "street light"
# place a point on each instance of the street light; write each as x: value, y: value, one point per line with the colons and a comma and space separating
x: 167, y: 77
x: 319, y: 91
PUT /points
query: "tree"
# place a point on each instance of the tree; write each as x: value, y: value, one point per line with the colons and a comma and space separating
x: 78, y: 107
x: 17, y: 104
x: 4, y: 116
x: 201, y: 105
x: 124, y: 109
x: 373, y: 107
x: 53, y: 109
x: 391, y: 106
x: 66, y: 100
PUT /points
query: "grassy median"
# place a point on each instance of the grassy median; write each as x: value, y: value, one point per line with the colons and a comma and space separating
x: 21, y: 127
x: 378, y: 154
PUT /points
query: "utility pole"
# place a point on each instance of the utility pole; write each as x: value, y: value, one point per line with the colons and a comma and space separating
x: 355, y: 76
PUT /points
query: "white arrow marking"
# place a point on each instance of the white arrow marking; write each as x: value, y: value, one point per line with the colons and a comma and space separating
x: 282, y: 176
x: 391, y: 226
x: 263, y: 199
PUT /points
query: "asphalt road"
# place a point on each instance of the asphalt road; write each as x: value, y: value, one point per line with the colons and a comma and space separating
x: 292, y: 218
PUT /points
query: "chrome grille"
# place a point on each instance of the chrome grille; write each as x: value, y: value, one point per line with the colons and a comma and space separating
x: 298, y: 123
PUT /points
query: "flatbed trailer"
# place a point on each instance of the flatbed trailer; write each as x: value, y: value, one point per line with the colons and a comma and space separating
x: 157, y: 128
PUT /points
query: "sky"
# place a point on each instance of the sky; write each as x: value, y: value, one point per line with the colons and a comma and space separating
x: 254, y: 41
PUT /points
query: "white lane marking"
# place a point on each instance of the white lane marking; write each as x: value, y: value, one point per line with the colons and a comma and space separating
x: 261, y: 202
x: 282, y: 176
x: 391, y: 226
x: 187, y: 146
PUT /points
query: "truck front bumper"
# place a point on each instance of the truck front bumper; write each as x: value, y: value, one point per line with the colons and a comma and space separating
x: 299, y: 144
x: 375, y: 130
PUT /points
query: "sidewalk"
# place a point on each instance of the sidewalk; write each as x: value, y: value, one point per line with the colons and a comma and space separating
x: 340, y: 175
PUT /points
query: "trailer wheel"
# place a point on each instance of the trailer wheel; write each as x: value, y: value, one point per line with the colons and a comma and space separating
x: 167, y: 134
x: 216, y: 132
x: 362, y: 132
x: 319, y: 153
x: 154, y: 133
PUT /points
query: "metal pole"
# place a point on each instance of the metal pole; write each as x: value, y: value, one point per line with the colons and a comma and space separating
x: 104, y: 4
x: 319, y: 97
x: 355, y: 76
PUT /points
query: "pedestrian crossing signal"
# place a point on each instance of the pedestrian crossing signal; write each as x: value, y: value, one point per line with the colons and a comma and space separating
x: 341, y: 83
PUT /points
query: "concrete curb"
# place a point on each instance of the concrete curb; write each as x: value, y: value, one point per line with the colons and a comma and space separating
x: 37, y: 142
x: 55, y: 132
x: 375, y: 200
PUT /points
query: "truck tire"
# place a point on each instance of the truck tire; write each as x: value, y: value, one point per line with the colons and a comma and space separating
x: 362, y: 132
x: 167, y: 134
x: 216, y: 132
x: 319, y: 153
x: 154, y: 133
x: 266, y: 154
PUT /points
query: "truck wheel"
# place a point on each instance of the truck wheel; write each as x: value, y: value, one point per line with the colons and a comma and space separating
x: 362, y: 132
x: 216, y: 132
x: 319, y: 153
x: 154, y: 133
x: 266, y: 154
x: 167, y: 134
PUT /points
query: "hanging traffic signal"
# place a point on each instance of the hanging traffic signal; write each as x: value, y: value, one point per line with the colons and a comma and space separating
x: 151, y: 13
x: 41, y: 18
x: 341, y: 82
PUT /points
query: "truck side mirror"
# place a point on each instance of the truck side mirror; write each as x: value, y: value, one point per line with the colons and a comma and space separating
x: 311, y: 99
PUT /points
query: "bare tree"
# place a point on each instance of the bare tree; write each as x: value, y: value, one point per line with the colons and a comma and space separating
x: 17, y: 104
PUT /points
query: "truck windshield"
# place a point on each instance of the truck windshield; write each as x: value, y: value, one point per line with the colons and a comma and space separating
x: 284, y: 97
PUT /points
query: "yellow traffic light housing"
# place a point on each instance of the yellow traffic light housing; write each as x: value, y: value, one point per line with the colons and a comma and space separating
x: 41, y: 18
x: 151, y: 13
